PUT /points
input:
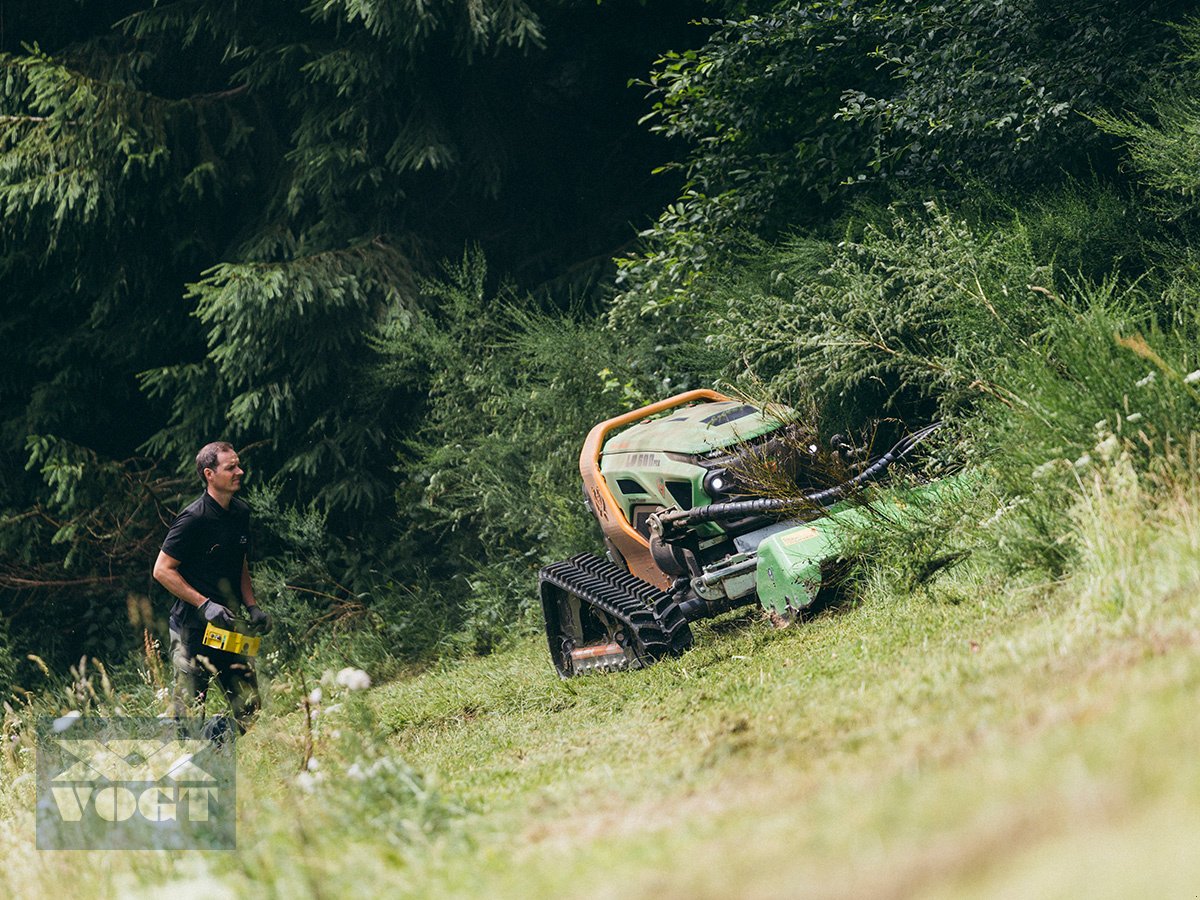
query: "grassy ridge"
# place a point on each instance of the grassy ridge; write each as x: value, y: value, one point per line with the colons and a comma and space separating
x: 974, y: 737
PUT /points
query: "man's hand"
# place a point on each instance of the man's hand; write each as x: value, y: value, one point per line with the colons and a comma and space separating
x: 259, y: 619
x: 216, y: 613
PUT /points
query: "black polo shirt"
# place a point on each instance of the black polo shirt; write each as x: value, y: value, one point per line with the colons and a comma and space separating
x: 211, y: 544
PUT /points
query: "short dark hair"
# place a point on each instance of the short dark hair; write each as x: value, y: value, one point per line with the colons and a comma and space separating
x: 207, y: 457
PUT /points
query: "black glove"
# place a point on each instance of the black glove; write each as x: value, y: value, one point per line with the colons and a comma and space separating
x: 216, y: 613
x: 259, y: 619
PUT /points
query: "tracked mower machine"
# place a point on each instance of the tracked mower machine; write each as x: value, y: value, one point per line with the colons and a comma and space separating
x: 686, y: 536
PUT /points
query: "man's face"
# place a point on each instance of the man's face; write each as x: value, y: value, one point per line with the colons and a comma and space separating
x: 227, y: 476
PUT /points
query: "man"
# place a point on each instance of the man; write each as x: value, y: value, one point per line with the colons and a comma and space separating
x: 203, y: 563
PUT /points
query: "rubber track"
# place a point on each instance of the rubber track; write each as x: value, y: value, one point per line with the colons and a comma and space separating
x: 649, y: 615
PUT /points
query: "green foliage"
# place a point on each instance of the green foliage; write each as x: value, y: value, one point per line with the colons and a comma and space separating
x: 8, y: 663
x: 352, y: 784
x: 286, y: 361
x: 491, y: 481
x: 89, y: 544
x: 1086, y: 229
x: 219, y: 220
x: 1107, y: 390
x: 1163, y: 145
x: 97, y: 226
x: 999, y: 87
x: 789, y: 111
x: 1101, y: 396
x: 208, y: 211
x: 909, y: 317
x: 920, y: 314
x: 756, y: 106
x: 287, y: 320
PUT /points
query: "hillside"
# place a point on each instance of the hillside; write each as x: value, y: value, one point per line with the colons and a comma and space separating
x: 403, y: 258
x: 967, y: 738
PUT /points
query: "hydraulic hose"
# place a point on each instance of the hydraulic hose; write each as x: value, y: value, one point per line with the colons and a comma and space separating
x: 735, y: 509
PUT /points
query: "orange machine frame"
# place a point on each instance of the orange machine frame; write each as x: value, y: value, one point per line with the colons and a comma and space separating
x: 629, y: 543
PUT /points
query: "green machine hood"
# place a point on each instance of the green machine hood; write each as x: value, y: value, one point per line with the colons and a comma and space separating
x: 698, y: 429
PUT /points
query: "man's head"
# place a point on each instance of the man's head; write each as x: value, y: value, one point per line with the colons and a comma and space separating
x: 218, y: 466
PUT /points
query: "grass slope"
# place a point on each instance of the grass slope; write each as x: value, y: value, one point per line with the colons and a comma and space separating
x: 973, y: 738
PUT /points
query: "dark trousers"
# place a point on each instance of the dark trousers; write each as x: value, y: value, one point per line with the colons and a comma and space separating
x: 195, y: 665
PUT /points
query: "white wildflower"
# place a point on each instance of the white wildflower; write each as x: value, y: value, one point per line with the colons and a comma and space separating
x: 308, y: 782
x: 1045, y: 468
x: 1002, y: 510
x: 1133, y: 418
x: 1084, y: 461
x: 355, y: 772
x: 314, y: 697
x: 162, y: 694
x: 993, y: 518
x: 353, y: 679
x: 332, y: 708
x: 62, y: 723
x: 1192, y: 377
x: 1147, y: 380
x: 313, y: 764
x: 1108, y: 447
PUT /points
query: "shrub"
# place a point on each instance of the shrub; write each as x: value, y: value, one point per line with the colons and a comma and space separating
x: 908, y: 318
x: 489, y: 486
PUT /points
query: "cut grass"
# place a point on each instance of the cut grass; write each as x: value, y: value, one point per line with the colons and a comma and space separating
x: 934, y: 760
x: 973, y: 738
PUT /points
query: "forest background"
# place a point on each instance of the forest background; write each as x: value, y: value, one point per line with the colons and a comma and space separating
x: 403, y: 255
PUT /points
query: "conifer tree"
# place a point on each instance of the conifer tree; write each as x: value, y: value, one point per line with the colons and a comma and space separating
x: 209, y: 208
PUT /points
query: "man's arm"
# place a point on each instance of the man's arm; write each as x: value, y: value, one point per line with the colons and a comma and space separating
x: 166, y: 573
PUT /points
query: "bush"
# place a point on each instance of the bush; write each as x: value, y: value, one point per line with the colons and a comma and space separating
x: 793, y: 109
x: 490, y: 486
x: 1103, y: 393
x: 909, y: 318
